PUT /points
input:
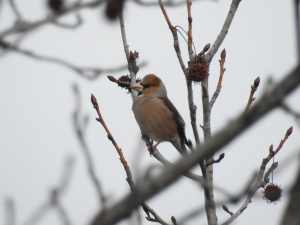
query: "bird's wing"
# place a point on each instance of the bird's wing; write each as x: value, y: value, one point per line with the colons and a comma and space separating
x: 178, y: 120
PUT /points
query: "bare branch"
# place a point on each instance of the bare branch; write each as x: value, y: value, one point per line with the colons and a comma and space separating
x: 175, y: 37
x: 260, y: 181
x: 79, y: 126
x: 227, y: 210
x: 235, y: 128
x: 233, y: 8
x: 130, y: 56
x: 215, y: 161
x: 168, y: 3
x: 129, y: 179
x: 190, y: 39
x: 222, y: 70
x: 70, y: 26
x: 51, y: 18
x: 15, y: 10
x: 89, y: 73
x: 253, y: 89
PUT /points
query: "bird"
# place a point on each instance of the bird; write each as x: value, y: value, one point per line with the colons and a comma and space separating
x: 156, y: 115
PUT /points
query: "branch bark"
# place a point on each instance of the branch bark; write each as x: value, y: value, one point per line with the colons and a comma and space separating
x: 268, y: 102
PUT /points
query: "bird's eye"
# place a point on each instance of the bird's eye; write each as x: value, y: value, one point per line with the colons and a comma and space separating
x: 145, y: 86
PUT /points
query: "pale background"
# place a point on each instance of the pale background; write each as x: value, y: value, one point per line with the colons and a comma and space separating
x: 37, y: 102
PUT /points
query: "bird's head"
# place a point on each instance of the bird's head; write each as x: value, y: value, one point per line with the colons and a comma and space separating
x: 150, y: 85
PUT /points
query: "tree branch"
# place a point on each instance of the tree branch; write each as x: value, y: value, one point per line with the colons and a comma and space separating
x: 75, y: 7
x: 233, y: 8
x: 79, y: 126
x: 129, y: 179
x: 222, y: 70
x: 268, y: 102
x: 253, y: 89
x: 89, y: 73
x: 260, y: 181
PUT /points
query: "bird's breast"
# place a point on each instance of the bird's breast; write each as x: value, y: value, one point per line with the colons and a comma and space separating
x: 154, y: 118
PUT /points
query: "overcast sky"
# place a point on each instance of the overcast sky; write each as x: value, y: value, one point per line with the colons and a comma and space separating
x: 37, y: 102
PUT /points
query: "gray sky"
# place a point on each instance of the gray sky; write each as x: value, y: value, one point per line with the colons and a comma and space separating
x: 37, y: 103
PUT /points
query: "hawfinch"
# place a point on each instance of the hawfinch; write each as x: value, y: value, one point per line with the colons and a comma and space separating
x: 156, y: 115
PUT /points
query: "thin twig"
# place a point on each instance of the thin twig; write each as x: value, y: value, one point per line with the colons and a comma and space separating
x: 261, y: 180
x: 89, y: 73
x: 169, y: 3
x: 190, y: 39
x: 129, y: 179
x: 148, y: 189
x: 80, y: 125
x: 222, y: 70
x: 78, y: 22
x: 130, y: 56
x: 227, y: 210
x: 175, y: 37
x: 253, y: 90
x: 215, y: 161
x: 15, y: 10
x: 233, y: 8
x: 50, y: 18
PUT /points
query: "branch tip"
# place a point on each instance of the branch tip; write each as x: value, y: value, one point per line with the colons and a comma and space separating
x: 223, y: 54
x: 94, y: 101
x: 221, y: 156
x: 227, y: 210
x: 206, y: 47
x: 174, y: 220
x: 256, y: 82
x: 271, y: 149
x: 289, y: 131
x: 111, y: 78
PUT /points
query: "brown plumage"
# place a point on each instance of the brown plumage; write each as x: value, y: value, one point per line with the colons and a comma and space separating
x: 155, y: 114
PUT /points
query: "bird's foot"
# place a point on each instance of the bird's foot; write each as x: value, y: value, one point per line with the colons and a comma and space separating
x: 152, y: 147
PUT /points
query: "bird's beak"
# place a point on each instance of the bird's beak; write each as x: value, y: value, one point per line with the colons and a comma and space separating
x: 137, y: 87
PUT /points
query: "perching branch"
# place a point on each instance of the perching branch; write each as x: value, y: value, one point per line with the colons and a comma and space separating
x: 130, y: 56
x: 192, y: 107
x: 268, y: 102
x: 129, y: 179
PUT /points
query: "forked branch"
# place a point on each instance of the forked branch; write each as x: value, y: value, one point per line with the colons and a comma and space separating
x: 126, y: 167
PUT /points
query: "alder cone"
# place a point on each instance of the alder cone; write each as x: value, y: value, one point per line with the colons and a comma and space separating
x: 272, y: 193
x: 198, y: 69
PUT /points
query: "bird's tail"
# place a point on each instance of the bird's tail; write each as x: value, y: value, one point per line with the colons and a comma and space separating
x: 179, y: 146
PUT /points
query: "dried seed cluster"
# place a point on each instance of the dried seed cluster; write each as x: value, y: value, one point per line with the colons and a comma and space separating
x: 113, y: 8
x: 198, y: 69
x: 272, y: 193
